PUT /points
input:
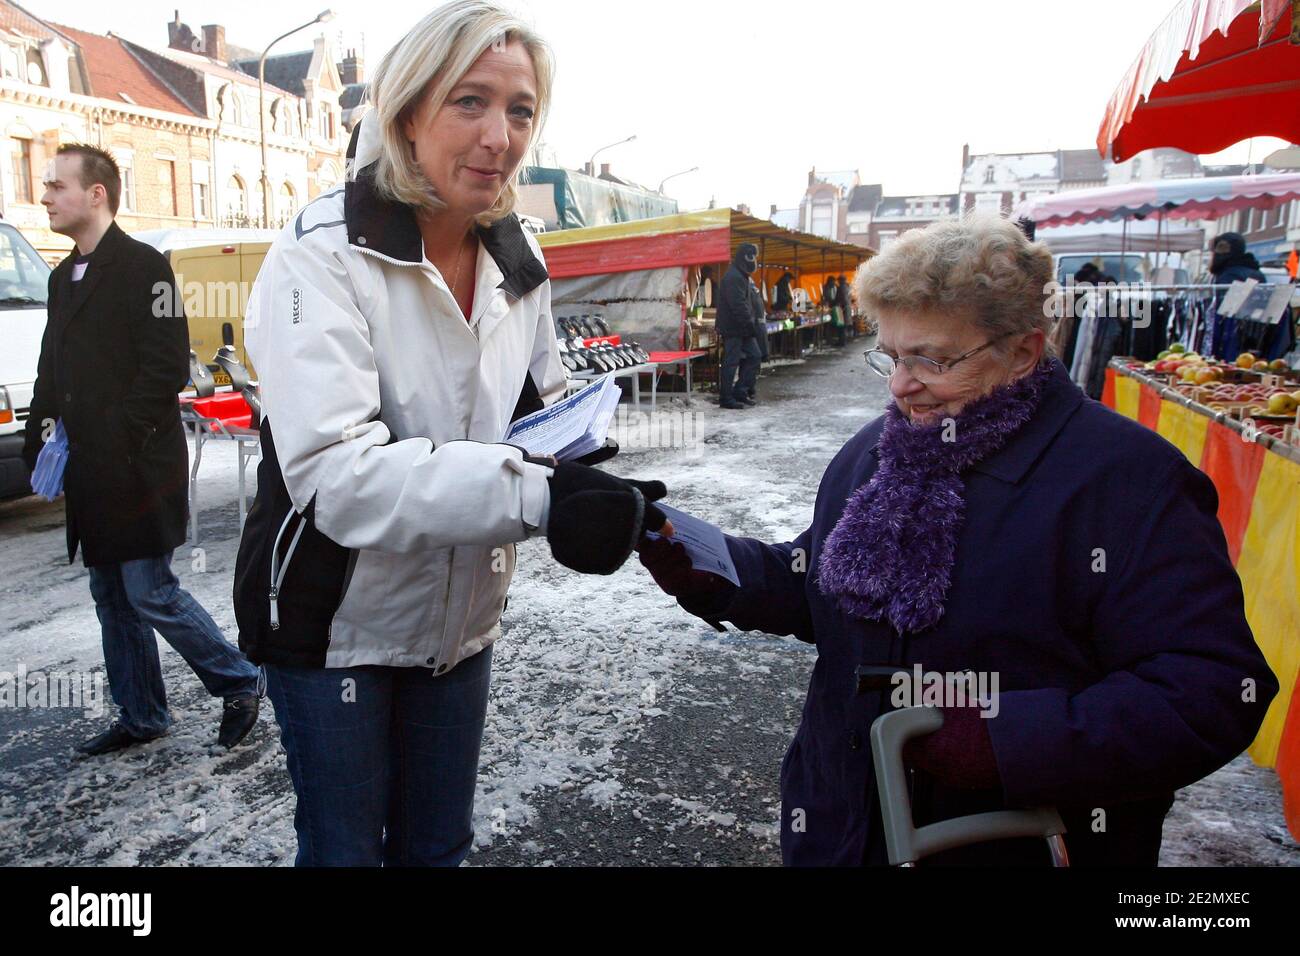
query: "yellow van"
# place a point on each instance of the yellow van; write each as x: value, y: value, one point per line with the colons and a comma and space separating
x: 215, y: 269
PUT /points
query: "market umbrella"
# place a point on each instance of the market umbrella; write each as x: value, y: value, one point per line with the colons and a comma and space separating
x: 1148, y: 236
x: 1215, y: 72
x: 1210, y: 197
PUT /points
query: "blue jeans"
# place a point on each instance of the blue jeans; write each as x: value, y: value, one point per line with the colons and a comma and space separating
x: 383, y: 760
x: 134, y: 598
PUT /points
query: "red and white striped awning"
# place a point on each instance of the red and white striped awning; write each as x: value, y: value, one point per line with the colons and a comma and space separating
x: 1215, y: 72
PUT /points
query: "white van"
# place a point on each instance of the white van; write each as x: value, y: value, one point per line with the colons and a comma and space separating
x: 24, y: 283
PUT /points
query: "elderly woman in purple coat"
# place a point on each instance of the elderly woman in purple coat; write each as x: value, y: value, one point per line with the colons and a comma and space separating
x: 995, y: 520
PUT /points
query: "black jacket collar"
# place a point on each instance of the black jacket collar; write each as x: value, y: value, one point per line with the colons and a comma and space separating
x: 104, y: 251
x: 74, y: 296
x: 390, y: 229
x: 1061, y: 399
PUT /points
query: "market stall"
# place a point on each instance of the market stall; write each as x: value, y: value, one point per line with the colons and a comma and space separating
x: 653, y: 279
x: 1208, y: 197
x: 1178, y: 307
x: 1248, y: 442
x: 1214, y: 72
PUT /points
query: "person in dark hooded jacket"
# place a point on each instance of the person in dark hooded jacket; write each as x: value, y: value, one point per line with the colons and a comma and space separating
x: 1230, y: 263
x: 739, y: 308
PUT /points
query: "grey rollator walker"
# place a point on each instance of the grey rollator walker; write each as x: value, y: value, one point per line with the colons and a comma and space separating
x: 905, y: 843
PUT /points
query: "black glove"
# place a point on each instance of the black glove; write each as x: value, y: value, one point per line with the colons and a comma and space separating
x: 596, y: 519
x: 602, y: 454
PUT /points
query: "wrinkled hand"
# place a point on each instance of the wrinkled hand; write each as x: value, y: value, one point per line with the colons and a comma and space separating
x: 669, y: 565
x: 699, y: 592
x: 959, y: 754
x: 597, y: 518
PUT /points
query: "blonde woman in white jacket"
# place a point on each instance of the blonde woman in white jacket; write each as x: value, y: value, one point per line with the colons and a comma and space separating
x: 398, y: 325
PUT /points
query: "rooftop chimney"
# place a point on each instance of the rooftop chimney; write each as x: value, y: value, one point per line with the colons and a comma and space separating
x: 214, y: 42
x: 965, y: 156
x: 180, y: 36
x: 604, y: 171
x: 812, y: 175
x: 772, y: 214
x: 351, y: 70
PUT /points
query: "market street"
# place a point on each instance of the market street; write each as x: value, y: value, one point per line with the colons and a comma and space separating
x: 620, y: 730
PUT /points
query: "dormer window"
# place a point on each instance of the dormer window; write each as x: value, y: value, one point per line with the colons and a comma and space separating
x: 228, y: 105
x: 36, y: 69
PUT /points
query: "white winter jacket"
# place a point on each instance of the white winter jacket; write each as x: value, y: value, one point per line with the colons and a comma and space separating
x: 388, y: 411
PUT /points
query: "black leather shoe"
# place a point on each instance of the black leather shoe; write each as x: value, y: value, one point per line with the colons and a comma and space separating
x: 732, y: 405
x: 238, y: 717
x: 116, y: 737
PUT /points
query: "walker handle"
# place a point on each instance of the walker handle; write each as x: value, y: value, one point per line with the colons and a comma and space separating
x: 905, y: 843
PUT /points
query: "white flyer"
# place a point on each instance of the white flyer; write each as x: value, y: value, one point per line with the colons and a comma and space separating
x: 572, y: 427
x: 705, y: 544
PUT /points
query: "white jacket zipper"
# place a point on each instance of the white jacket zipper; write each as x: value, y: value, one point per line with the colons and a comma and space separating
x: 278, y: 570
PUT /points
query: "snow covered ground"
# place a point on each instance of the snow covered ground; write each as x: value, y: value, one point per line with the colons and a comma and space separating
x: 620, y: 730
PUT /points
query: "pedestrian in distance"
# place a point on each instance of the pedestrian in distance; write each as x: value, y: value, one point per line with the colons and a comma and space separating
x: 844, y: 303
x: 784, y: 301
x: 114, y: 356
x: 740, y: 310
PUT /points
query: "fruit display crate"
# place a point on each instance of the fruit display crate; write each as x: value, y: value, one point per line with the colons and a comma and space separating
x: 1256, y: 476
x: 1226, y: 401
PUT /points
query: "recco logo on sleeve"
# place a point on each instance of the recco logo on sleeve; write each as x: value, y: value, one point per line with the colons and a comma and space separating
x: 297, y: 306
x: 102, y: 909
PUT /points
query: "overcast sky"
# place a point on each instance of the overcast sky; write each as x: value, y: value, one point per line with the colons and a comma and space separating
x: 757, y: 93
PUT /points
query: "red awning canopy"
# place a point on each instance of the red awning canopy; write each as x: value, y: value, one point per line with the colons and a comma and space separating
x: 692, y: 239
x: 1215, y: 72
x: 1206, y: 197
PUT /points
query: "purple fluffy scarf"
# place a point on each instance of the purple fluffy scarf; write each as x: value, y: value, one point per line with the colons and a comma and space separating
x: 891, y: 553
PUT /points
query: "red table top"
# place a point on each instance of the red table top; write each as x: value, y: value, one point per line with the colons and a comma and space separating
x: 227, y: 407
x: 666, y: 357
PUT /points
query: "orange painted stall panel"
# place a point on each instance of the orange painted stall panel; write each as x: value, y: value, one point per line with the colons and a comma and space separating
x: 1108, y: 390
x: 1149, y: 408
x: 1288, y: 765
x: 1233, y: 465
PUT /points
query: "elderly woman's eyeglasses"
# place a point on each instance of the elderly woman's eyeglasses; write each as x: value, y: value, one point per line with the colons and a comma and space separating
x: 921, y: 368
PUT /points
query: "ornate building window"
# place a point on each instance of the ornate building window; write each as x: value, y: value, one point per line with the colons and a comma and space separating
x: 288, y: 202
x: 234, y: 203
x: 228, y: 105
x: 21, y: 153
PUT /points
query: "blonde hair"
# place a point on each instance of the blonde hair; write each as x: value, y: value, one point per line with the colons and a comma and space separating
x: 428, y: 63
x: 981, y: 265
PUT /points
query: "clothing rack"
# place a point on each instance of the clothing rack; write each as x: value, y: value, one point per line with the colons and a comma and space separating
x: 1185, y: 313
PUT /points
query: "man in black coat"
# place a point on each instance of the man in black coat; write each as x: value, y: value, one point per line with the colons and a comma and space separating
x: 844, y: 303
x: 739, y: 310
x: 759, y: 310
x: 784, y: 296
x: 114, y: 355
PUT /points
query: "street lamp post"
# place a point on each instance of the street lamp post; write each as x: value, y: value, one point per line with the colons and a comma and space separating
x: 693, y: 169
x: 591, y: 163
x: 323, y: 17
